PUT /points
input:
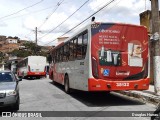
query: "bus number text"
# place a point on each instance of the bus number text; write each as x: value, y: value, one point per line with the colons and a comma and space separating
x: 122, y: 84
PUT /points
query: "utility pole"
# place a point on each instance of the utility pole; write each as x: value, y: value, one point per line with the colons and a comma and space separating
x: 36, y: 36
x: 156, y: 45
x: 36, y: 41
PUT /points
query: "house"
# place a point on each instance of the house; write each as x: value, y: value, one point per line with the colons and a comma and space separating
x: 11, y: 63
x: 9, y: 44
x: 61, y: 39
x: 12, y: 40
x: 146, y: 19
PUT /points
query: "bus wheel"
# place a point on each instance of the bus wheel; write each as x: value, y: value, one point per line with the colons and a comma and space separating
x: 53, y: 82
x: 108, y: 92
x: 66, y: 84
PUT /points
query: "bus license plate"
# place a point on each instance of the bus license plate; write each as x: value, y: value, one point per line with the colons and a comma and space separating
x: 122, y: 84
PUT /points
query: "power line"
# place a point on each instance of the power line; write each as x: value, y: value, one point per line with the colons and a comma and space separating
x: 36, y: 12
x: 58, y: 4
x: 21, y: 10
x: 83, y: 20
x: 29, y: 13
x: 88, y: 12
x: 64, y: 20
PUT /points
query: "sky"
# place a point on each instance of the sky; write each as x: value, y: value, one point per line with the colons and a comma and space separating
x: 21, y: 17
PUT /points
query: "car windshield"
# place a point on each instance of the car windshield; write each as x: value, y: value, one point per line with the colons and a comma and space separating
x: 6, y: 77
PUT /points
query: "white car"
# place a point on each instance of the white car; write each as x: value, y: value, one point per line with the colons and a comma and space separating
x: 9, y: 90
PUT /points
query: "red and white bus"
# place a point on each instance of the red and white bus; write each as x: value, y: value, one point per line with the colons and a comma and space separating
x: 103, y: 57
x: 32, y: 66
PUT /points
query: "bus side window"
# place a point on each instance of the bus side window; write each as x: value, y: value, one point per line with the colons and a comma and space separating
x: 75, y: 48
x: 58, y: 55
x: 71, y: 48
x: 68, y: 54
x: 62, y: 52
x: 79, y: 47
x: 85, y: 43
x: 49, y: 58
x: 66, y: 51
x: 56, y: 58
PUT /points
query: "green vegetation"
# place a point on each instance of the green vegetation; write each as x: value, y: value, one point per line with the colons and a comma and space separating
x: 21, y: 53
x: 30, y: 49
x: 1, y: 57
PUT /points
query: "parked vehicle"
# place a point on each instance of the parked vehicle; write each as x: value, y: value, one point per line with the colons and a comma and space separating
x: 32, y: 66
x: 47, y: 69
x: 9, y: 90
x: 103, y: 57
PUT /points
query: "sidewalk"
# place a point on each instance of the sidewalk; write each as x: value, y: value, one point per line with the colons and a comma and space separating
x: 146, y: 95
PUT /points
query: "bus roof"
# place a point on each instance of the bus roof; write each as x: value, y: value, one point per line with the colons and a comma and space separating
x: 29, y: 56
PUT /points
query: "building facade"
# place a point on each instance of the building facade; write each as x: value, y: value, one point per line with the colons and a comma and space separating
x: 146, y: 19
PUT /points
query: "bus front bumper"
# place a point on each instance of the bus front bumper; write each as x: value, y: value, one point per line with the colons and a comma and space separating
x: 108, y: 85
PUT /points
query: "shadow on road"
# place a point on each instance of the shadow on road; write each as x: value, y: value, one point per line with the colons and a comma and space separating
x: 98, y: 99
x: 32, y: 78
x: 6, y: 109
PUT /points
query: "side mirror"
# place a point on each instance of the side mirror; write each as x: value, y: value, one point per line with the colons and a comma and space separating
x: 19, y: 79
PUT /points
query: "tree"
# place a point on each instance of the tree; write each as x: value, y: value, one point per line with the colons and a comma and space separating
x: 1, y: 57
x: 30, y: 49
x: 20, y: 53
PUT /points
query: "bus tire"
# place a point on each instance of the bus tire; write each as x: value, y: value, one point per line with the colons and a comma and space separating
x: 53, y: 82
x: 108, y: 92
x: 66, y: 84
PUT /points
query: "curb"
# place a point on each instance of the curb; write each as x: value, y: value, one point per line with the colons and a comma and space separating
x: 144, y: 96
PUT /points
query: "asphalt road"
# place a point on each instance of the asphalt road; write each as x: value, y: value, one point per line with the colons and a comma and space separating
x: 41, y: 95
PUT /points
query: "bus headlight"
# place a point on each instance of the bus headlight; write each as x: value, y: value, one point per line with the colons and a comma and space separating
x: 10, y: 92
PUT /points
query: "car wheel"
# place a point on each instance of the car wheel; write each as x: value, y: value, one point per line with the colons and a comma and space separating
x: 66, y: 84
x: 16, y: 105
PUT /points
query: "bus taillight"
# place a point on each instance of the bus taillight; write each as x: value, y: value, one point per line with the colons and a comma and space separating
x: 29, y: 68
x: 94, y: 68
x: 45, y: 69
